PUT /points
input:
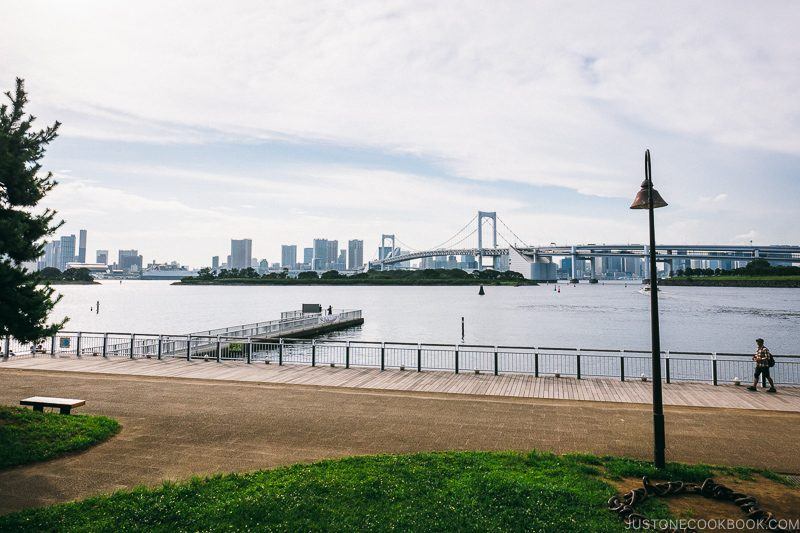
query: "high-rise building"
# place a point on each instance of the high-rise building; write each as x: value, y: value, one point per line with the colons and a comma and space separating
x: 67, y: 253
x: 129, y: 261
x: 355, y: 254
x: 308, y: 255
x: 215, y: 263
x: 82, y: 246
x: 52, y: 254
x: 241, y: 253
x: 321, y: 258
x: 289, y: 255
x: 333, y: 254
x: 102, y: 257
x: 341, y: 261
x: 384, y: 251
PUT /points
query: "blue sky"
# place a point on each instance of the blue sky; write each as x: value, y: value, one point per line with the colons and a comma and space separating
x: 188, y: 124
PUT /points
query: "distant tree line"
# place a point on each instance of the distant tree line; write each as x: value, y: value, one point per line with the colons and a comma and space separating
x: 440, y: 274
x: 70, y: 274
x: 756, y: 267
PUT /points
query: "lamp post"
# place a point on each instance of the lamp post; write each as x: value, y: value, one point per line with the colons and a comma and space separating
x: 648, y: 198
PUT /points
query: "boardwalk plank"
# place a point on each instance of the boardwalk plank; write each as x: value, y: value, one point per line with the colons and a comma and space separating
x: 505, y: 385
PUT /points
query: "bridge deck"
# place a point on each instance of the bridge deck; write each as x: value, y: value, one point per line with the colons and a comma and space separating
x: 523, y: 386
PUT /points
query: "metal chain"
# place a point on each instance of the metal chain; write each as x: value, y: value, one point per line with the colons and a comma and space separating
x: 625, y: 505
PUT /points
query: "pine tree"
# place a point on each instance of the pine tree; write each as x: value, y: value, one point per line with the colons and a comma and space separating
x: 25, y: 297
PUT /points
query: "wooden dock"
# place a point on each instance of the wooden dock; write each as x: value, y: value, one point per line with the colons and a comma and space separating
x: 504, y: 385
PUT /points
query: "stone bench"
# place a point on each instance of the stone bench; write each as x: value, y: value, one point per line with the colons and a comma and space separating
x: 65, y: 405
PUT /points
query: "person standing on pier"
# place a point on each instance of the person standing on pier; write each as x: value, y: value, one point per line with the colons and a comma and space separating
x: 764, y: 361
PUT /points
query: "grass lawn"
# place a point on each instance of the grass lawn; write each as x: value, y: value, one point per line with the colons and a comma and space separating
x: 451, y: 491
x: 27, y: 436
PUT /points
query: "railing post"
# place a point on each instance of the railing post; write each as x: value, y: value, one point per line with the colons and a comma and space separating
x: 53, y: 346
x: 495, y: 361
x: 347, y: 355
x: 160, y: 348
x: 714, y: 367
x: 280, y: 352
x: 219, y: 350
x: 536, y: 363
x: 383, y: 356
x: 578, y: 361
x: 456, y: 358
x: 622, y: 365
x: 105, y: 345
x: 188, y: 347
x: 133, y: 339
x: 419, y: 357
x: 314, y: 353
x: 249, y: 350
x: 78, y: 345
x: 666, y: 364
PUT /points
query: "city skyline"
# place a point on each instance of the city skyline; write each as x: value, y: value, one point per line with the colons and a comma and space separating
x: 497, y: 111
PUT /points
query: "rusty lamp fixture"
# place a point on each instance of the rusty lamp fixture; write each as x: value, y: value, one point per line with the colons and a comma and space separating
x: 648, y: 198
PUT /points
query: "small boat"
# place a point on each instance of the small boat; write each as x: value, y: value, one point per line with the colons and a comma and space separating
x: 646, y: 290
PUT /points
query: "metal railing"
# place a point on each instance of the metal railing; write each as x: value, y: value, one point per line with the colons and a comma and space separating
x: 290, y: 322
x: 716, y: 368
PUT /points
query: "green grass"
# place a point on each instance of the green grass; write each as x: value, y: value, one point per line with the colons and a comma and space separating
x: 27, y: 436
x: 449, y: 491
x: 464, y: 491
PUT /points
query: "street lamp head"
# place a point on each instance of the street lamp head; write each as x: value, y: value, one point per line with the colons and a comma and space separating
x: 642, y: 200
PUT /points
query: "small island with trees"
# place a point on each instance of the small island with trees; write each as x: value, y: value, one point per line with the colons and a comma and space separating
x: 757, y: 273
x: 439, y: 276
x: 71, y: 276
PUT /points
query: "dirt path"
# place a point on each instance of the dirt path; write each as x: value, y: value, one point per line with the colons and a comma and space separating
x: 175, y: 428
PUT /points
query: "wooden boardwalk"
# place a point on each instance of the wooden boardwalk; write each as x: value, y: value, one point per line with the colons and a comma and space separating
x: 506, y: 385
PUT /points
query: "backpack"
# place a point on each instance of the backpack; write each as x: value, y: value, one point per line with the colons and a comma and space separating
x: 771, y: 361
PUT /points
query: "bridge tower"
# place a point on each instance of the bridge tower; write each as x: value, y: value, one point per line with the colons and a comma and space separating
x: 382, y: 252
x: 490, y: 215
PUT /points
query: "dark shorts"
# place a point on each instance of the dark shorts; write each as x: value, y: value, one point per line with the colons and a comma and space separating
x: 762, y: 370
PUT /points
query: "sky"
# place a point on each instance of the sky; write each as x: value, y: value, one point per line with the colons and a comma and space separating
x: 188, y: 123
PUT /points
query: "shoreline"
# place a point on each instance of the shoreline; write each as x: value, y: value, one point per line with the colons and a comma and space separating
x: 67, y: 282
x: 727, y: 282
x: 428, y: 283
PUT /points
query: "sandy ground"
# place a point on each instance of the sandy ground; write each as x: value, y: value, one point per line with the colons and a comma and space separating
x: 175, y: 428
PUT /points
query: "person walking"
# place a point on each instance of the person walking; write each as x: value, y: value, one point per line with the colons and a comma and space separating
x: 764, y: 361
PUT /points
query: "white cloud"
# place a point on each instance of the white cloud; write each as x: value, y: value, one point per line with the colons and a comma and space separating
x: 541, y: 93
x: 545, y: 93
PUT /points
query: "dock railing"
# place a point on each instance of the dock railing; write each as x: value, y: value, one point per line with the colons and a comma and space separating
x: 246, y: 344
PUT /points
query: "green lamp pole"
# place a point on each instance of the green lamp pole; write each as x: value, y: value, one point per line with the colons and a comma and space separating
x: 648, y: 198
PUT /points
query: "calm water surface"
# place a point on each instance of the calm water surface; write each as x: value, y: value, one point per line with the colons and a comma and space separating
x: 584, y: 316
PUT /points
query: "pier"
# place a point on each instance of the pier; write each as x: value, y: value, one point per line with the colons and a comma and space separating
x: 233, y: 342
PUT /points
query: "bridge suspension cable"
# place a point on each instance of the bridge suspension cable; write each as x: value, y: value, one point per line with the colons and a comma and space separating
x: 442, y: 245
x: 512, y: 233
x: 455, y: 244
x: 406, y: 245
